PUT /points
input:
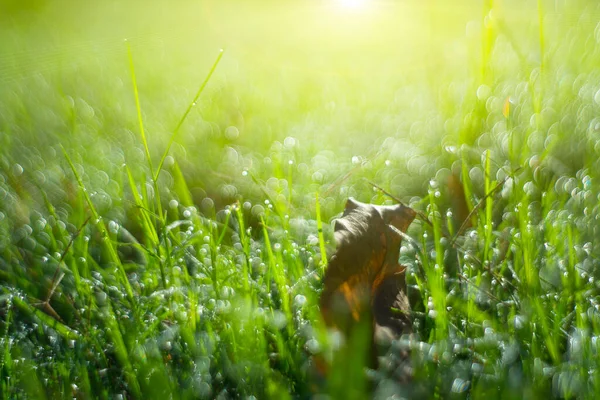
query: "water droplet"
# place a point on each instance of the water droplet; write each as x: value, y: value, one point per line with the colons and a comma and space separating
x: 289, y: 142
x: 17, y: 170
x: 299, y: 300
x: 518, y: 321
x: 313, y: 346
x: 232, y: 133
x: 113, y: 227
x: 460, y: 385
x: 101, y: 298
x: 450, y: 149
x: 207, y: 203
x: 317, y: 177
x: 483, y: 92
x: 597, y: 97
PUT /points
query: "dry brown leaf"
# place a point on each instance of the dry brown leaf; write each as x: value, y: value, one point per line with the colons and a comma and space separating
x: 458, y: 201
x: 364, y: 280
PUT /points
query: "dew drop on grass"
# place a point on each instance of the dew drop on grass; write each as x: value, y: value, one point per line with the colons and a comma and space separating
x: 101, y: 298
x: 262, y: 268
x: 313, y: 346
x: 289, y: 142
x: 430, y: 303
x: 227, y: 292
x: 450, y: 149
x: 182, y: 316
x: 113, y: 227
x: 483, y: 92
x: 258, y: 210
x: 460, y: 385
x: 518, y: 322
x: 207, y: 203
x: 232, y: 133
x: 173, y: 204
x: 169, y: 162
x: 597, y: 97
x: 211, y: 304
x: 40, y: 224
x: 17, y: 170
x: 278, y: 320
x: 317, y: 177
x: 299, y: 300
x: 244, y: 173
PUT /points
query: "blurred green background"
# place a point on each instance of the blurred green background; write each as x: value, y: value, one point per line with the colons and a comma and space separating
x: 402, y: 82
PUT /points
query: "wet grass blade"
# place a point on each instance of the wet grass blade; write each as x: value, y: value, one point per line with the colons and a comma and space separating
x: 185, y: 114
x: 99, y: 222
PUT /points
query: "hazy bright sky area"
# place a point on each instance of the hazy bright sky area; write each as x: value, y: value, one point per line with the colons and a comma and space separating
x: 313, y: 37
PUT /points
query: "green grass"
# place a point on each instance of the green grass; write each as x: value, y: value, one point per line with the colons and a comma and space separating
x: 166, y: 208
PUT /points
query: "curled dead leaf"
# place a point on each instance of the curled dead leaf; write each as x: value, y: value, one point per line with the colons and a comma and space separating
x: 364, y: 281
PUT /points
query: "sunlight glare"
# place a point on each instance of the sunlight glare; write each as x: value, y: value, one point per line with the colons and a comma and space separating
x: 354, y: 4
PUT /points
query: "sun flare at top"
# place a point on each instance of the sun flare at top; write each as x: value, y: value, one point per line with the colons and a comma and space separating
x: 352, y: 4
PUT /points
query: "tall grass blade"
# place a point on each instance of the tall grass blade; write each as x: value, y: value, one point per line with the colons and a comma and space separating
x: 323, y: 261
x: 138, y: 107
x: 99, y: 222
x: 187, y: 111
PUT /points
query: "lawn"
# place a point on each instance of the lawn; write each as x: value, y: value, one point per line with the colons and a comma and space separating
x: 170, y: 173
